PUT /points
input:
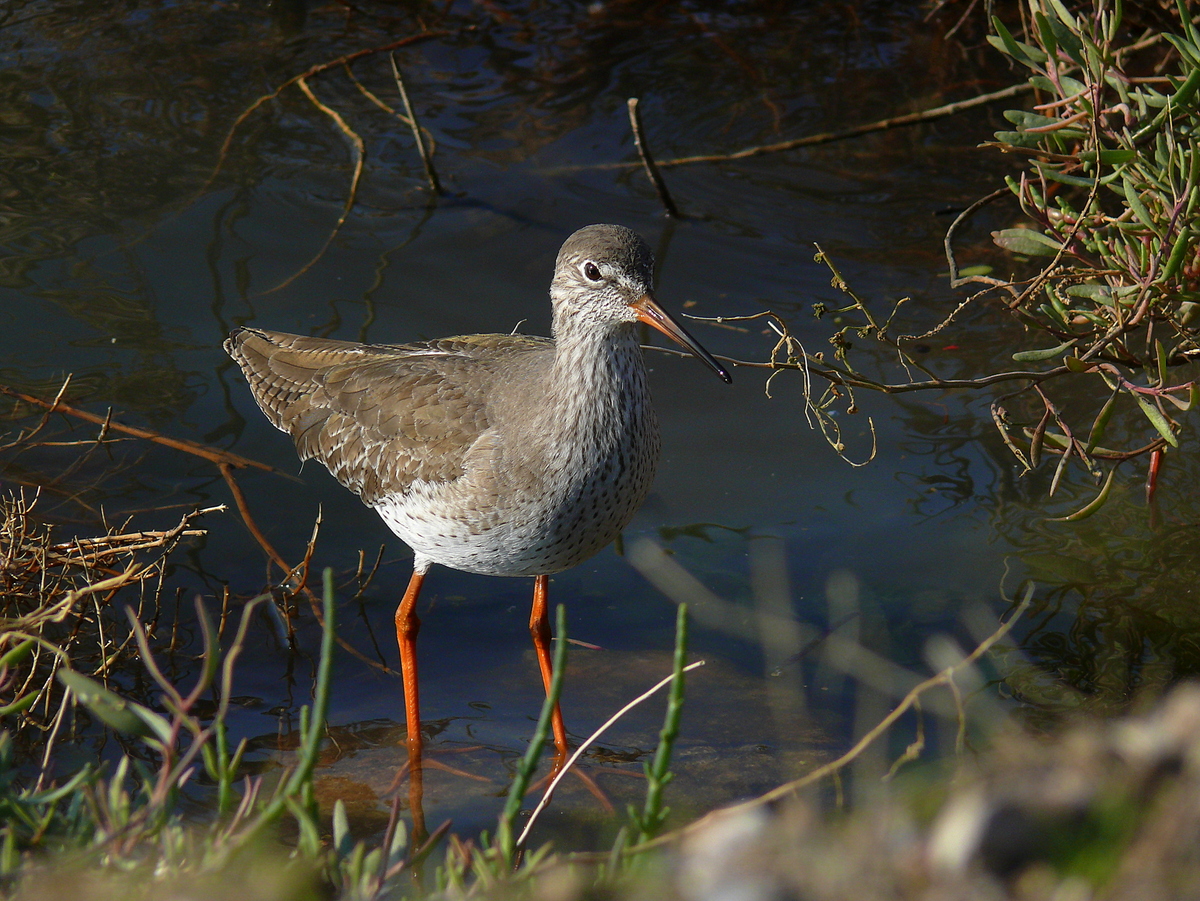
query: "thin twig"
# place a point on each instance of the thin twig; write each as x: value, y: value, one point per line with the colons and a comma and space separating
x: 25, y: 437
x: 588, y: 742
x: 839, y: 376
x: 948, y: 243
x: 239, y: 500
x: 643, y: 149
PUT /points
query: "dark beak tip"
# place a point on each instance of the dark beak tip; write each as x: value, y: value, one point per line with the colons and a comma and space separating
x: 655, y: 316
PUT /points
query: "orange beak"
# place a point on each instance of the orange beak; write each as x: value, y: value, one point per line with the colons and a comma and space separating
x: 655, y: 316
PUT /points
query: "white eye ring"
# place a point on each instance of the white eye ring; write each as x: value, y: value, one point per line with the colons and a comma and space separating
x: 591, y: 271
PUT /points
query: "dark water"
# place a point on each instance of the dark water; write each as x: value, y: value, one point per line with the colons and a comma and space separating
x: 132, y: 244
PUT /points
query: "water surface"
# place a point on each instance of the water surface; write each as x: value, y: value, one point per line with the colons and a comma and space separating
x: 141, y: 225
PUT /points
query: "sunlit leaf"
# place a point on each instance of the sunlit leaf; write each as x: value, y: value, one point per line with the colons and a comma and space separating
x: 1053, y: 314
x: 1025, y: 120
x: 1157, y: 420
x: 1133, y: 198
x: 1064, y: 18
x: 1035, y: 356
x: 21, y: 704
x: 1066, y: 87
x: 1056, y: 439
x: 1178, y: 252
x: 113, y: 710
x: 1187, y: 50
x: 1065, y: 33
x: 1046, y: 32
x: 1185, y: 16
x: 399, y: 842
x: 1020, y: 139
x: 1180, y: 403
x: 342, y: 840
x: 1026, y: 241
x: 1003, y: 41
x: 1111, y: 157
x: 1063, y: 178
x: 17, y: 654
x: 109, y: 707
x: 1096, y: 293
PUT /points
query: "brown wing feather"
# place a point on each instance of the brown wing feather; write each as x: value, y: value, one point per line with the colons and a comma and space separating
x: 378, y: 417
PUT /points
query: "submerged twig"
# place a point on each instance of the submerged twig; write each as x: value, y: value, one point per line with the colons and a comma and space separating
x: 309, y: 73
x: 426, y: 160
x: 24, y: 437
x: 828, y: 137
x: 360, y: 153
x: 213, y: 454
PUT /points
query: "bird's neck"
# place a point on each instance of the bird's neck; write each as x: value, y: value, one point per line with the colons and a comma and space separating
x: 598, y: 382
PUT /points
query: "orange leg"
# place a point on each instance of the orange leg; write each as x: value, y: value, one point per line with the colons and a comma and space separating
x: 539, y: 628
x: 407, y: 627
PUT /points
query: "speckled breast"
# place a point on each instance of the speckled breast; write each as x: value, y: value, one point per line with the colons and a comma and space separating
x: 503, y: 522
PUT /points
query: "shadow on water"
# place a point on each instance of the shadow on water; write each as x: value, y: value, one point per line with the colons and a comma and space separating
x: 127, y: 260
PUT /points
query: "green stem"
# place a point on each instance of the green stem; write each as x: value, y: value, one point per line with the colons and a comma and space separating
x: 516, y: 794
x: 658, y: 772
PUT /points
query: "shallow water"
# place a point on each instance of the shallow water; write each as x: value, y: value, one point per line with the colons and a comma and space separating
x: 133, y: 244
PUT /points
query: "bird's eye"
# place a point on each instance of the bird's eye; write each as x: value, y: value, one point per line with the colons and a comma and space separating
x: 592, y: 271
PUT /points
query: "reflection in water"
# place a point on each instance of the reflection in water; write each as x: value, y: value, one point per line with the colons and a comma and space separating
x: 1114, y: 596
x: 1114, y: 610
x: 1117, y: 606
x: 416, y: 788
